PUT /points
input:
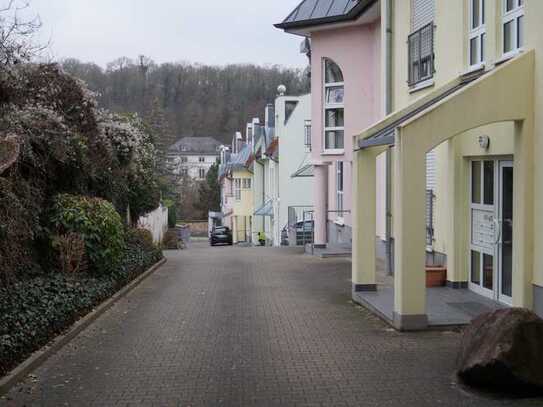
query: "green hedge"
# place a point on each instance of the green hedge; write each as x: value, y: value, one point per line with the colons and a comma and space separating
x: 34, y: 311
x: 98, y: 224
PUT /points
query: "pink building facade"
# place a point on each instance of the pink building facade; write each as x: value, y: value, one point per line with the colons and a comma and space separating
x: 346, y: 98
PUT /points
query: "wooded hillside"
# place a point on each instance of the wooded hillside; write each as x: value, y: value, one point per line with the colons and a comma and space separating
x: 188, y: 99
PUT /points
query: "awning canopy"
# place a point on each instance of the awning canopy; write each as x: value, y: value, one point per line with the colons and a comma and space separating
x: 266, y: 209
x: 383, y: 134
x: 305, y: 170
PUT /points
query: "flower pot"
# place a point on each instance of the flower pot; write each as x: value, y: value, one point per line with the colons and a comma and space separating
x: 436, y: 276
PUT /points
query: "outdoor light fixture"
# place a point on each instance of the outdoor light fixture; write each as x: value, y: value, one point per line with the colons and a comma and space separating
x: 484, y: 142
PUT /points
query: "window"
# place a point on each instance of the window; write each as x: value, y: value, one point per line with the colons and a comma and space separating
x: 513, y: 26
x: 202, y: 159
x: 339, y: 188
x: 184, y: 160
x: 184, y: 172
x: 482, y: 182
x: 421, y: 42
x: 290, y: 106
x: 246, y: 183
x: 202, y: 173
x: 333, y: 106
x: 237, y: 188
x: 307, y: 135
x: 477, y: 33
x: 421, y: 55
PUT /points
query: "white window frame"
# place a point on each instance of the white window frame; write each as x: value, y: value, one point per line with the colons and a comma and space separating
x: 202, y: 173
x: 246, y: 183
x: 332, y: 106
x: 512, y: 16
x: 478, y: 34
x: 237, y: 189
x: 340, y: 180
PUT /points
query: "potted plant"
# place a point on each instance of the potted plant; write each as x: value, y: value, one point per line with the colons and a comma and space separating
x: 436, y: 276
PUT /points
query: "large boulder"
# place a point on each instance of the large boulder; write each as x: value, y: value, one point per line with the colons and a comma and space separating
x: 503, y: 351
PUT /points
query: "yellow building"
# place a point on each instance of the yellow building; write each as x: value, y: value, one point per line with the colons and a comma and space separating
x: 464, y: 82
x: 242, y: 217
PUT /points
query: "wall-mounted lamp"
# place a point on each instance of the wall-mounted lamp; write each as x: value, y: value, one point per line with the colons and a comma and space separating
x: 484, y: 142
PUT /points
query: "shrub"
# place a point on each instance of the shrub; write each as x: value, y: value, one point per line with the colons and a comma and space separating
x: 172, y: 217
x: 97, y: 223
x: 32, y: 311
x: 170, y: 241
x: 71, y: 252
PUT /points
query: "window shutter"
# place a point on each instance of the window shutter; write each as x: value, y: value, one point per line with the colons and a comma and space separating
x: 422, y: 13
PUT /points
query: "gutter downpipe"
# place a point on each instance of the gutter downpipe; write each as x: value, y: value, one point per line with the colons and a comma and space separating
x: 389, y: 260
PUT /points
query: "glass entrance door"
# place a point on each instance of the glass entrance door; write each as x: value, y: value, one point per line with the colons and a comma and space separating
x: 483, y: 227
x: 505, y: 242
x: 491, y: 228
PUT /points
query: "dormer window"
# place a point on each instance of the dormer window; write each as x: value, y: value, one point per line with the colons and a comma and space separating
x: 334, y: 120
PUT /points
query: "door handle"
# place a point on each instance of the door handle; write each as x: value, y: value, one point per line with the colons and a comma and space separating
x: 498, y: 222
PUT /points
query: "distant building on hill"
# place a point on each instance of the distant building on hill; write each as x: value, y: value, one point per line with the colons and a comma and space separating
x: 193, y: 156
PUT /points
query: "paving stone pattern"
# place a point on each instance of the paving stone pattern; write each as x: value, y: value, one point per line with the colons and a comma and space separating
x: 249, y: 327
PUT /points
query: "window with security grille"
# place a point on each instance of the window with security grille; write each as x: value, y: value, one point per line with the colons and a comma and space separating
x: 421, y: 54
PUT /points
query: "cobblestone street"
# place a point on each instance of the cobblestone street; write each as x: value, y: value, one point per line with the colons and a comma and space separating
x: 248, y: 326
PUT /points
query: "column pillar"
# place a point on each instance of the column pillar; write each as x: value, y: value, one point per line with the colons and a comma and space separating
x: 523, y: 215
x: 320, y: 205
x: 410, y: 233
x: 456, y: 245
x: 364, y: 219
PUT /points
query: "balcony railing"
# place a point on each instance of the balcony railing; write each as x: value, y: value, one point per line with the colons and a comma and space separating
x: 421, y: 54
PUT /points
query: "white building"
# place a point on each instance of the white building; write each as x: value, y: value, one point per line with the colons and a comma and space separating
x: 293, y: 130
x: 193, y: 156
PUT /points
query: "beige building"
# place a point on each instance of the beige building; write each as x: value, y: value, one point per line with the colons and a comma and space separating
x: 464, y: 82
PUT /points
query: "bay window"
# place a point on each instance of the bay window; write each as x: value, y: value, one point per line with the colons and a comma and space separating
x: 334, y: 122
x: 513, y: 26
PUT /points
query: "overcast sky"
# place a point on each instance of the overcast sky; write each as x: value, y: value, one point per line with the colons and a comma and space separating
x: 207, y: 31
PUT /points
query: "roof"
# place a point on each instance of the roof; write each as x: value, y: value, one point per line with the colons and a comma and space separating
x: 266, y: 209
x: 196, y: 145
x: 385, y: 135
x: 304, y: 171
x: 316, y: 12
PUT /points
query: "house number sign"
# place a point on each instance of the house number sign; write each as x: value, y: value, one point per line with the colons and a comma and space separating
x: 483, y: 228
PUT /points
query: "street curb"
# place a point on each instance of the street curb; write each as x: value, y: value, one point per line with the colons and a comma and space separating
x: 41, y: 355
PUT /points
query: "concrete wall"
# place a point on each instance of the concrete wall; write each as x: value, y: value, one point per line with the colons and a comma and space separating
x: 534, y: 39
x: 155, y: 222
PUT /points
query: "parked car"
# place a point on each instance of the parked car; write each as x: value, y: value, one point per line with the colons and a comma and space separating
x: 304, y: 233
x: 221, y: 235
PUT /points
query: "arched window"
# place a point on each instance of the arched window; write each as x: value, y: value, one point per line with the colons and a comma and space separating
x: 333, y: 106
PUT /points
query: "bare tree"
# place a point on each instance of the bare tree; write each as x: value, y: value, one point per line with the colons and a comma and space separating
x: 18, y: 27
